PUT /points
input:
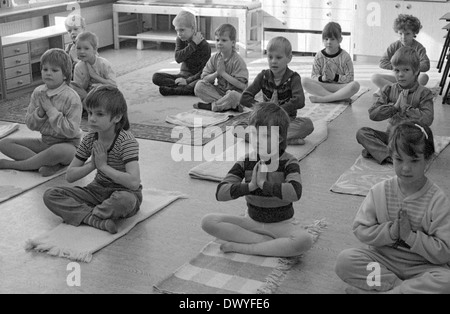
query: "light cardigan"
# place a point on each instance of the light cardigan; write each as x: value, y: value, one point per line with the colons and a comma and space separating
x: 430, y: 236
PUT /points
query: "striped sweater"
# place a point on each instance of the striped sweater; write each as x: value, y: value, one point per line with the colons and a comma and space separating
x: 273, y: 203
x: 429, y: 215
x: 124, y: 150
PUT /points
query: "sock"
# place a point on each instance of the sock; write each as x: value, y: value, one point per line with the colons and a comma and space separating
x: 105, y: 225
x: 48, y: 171
x: 203, y: 106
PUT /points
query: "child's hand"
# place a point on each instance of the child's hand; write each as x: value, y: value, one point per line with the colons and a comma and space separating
x: 328, y: 75
x: 197, y: 38
x: 221, y: 70
x: 253, y: 185
x: 45, y: 102
x: 92, y: 73
x: 405, y: 225
x: 181, y: 81
x: 394, y: 230
x: 100, y: 155
x: 262, y: 174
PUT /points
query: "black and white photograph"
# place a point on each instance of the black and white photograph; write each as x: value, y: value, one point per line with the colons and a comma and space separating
x: 228, y: 154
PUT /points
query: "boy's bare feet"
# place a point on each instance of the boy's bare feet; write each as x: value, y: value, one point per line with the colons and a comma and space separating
x: 48, y: 171
x: 296, y: 142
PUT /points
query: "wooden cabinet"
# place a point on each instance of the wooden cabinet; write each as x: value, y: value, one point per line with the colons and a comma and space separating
x: 374, y: 22
x: 20, y: 58
x: 302, y: 21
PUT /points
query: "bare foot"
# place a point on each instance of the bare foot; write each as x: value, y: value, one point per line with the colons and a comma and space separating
x: 315, y: 99
x: 48, y: 171
x: 227, y: 247
x: 296, y: 142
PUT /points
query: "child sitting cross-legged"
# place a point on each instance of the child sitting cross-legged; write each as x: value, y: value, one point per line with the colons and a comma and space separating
x: 282, y: 86
x: 116, y: 191
x: 270, y: 182
x: 405, y: 221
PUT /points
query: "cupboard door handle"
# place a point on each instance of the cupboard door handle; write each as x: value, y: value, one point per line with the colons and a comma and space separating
x: 284, y: 23
x: 17, y: 50
x: 19, y: 72
x: 20, y: 83
x: 409, y: 7
x: 284, y: 1
x: 329, y: 3
x: 398, y: 6
x: 284, y: 12
x: 18, y: 61
x: 329, y: 14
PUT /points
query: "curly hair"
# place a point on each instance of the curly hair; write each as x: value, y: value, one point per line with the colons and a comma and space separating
x: 407, y: 22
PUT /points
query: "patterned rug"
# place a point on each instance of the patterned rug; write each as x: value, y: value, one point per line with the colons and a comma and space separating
x: 214, y: 272
x: 366, y: 173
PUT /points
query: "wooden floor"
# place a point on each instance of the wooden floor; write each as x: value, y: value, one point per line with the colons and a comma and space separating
x: 156, y: 248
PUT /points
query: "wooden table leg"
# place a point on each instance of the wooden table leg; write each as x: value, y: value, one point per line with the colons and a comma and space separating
x: 116, y: 30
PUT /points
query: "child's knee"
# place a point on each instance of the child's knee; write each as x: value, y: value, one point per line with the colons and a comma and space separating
x: 5, y: 143
x: 200, y: 87
x: 124, y: 203
x: 303, y: 242
x: 344, y: 262
x: 210, y: 222
x: 355, y: 86
x: 50, y: 196
x: 361, y: 135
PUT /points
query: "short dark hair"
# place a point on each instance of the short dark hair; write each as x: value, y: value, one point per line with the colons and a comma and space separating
x: 112, y: 100
x: 226, y: 28
x: 58, y: 57
x: 406, y: 56
x: 269, y: 114
x: 413, y: 138
x: 407, y: 22
x: 332, y: 30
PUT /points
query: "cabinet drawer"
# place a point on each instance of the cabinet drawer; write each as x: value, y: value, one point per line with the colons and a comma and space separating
x: 17, y: 60
x: 18, y: 82
x: 304, y: 24
x: 333, y: 4
x: 17, y: 71
x: 15, y: 50
x: 312, y: 13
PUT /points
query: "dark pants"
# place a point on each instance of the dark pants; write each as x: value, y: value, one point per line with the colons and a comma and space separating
x: 168, y: 80
x: 375, y: 142
x: 73, y: 204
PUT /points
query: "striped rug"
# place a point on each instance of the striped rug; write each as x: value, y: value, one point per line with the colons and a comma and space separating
x: 214, y: 272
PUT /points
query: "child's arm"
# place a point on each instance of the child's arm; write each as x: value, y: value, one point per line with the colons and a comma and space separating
x: 434, y: 243
x: 248, y: 97
x: 209, y: 72
x: 425, y: 63
x: 367, y: 228
x: 291, y: 190
x: 221, y: 71
x: 424, y: 113
x: 232, y: 187
x: 183, y: 52
x: 383, y: 108
x: 108, y: 79
x: 298, y: 96
x: 79, y: 169
x: 36, y: 117
x: 130, y: 179
x: 385, y: 62
x: 317, y: 68
x: 349, y: 75
x: 65, y: 123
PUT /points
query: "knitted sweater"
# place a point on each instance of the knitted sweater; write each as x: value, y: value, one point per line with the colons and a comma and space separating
x: 290, y: 93
x: 340, y: 64
x: 428, y: 212
x: 273, y: 203
x: 385, y: 62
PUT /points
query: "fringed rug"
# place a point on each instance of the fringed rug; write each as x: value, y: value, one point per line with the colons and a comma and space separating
x: 214, y: 272
x: 366, y: 173
x: 79, y: 243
